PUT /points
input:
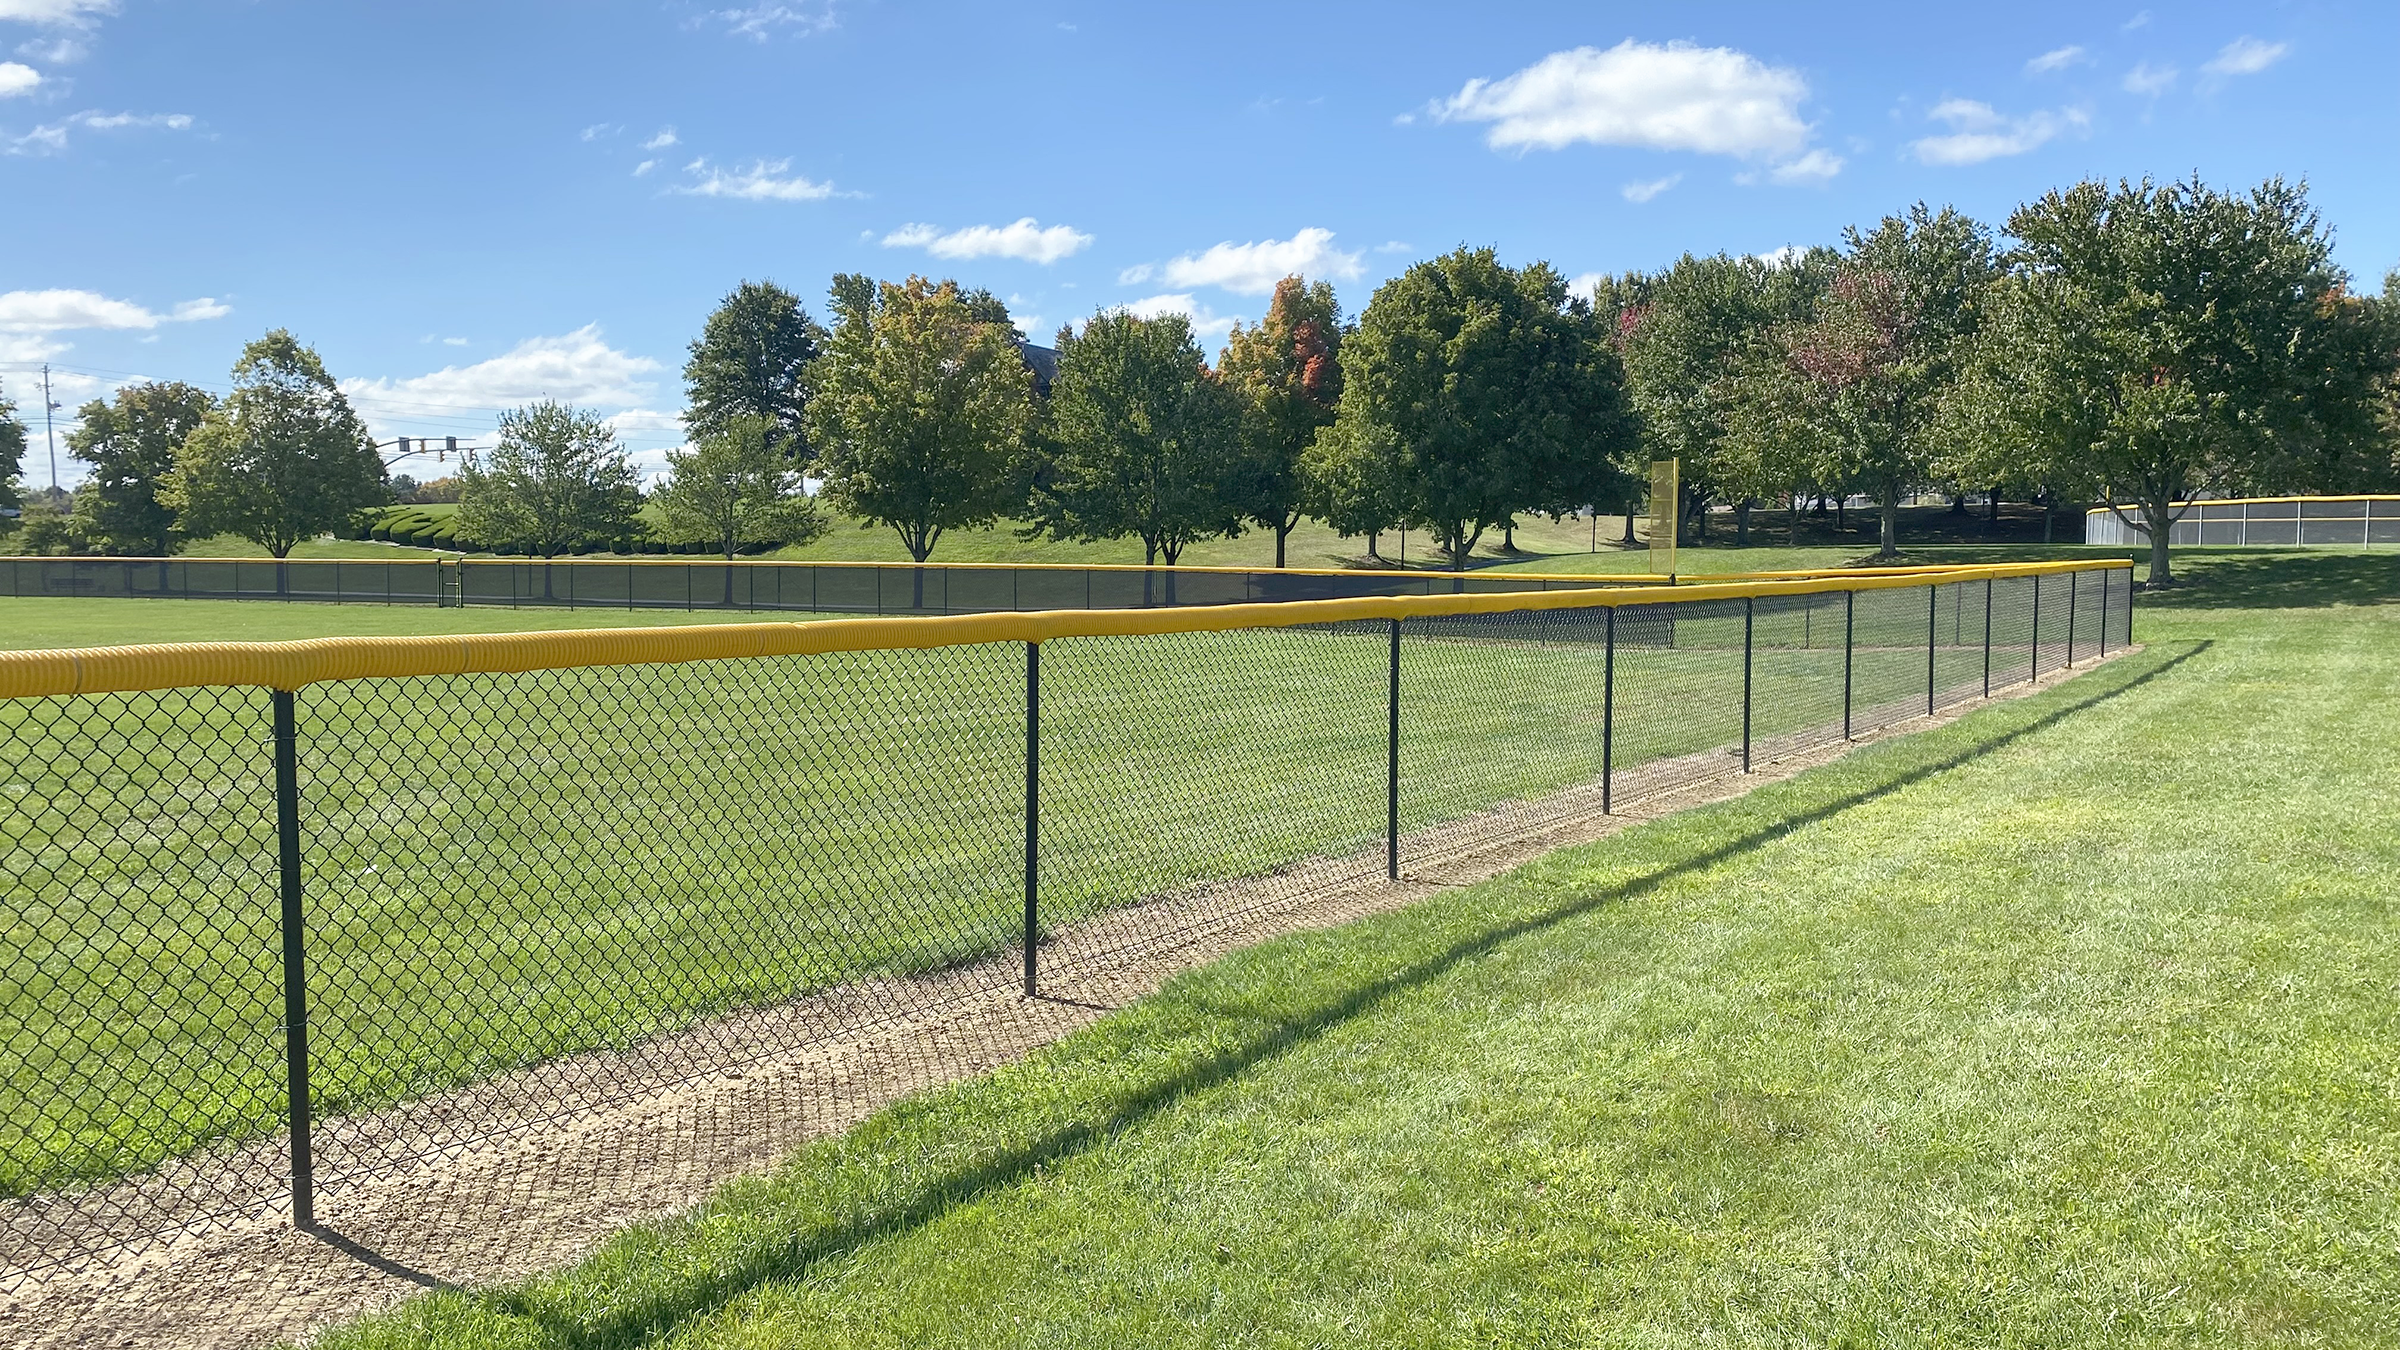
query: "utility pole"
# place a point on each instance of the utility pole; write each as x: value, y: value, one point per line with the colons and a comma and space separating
x: 48, y: 437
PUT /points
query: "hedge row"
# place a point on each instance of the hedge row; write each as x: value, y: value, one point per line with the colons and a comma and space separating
x: 437, y: 527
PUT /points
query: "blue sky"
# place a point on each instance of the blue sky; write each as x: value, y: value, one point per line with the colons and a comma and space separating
x: 465, y: 206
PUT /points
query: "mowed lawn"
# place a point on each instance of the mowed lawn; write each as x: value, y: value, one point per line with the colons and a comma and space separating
x: 2072, y: 1023
x: 502, y: 870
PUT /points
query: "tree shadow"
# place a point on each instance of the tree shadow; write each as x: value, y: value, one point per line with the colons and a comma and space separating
x: 645, y: 1319
x: 2287, y: 580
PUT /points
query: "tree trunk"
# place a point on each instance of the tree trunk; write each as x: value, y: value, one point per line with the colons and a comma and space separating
x: 1173, y: 552
x: 1282, y: 532
x: 1796, y: 504
x: 1629, y: 540
x: 1994, y: 517
x: 1149, y: 567
x: 2159, y: 514
x: 1891, y: 522
x: 1508, y: 537
x: 1374, y: 539
x: 1741, y: 523
x: 1841, y: 514
x: 2049, y: 504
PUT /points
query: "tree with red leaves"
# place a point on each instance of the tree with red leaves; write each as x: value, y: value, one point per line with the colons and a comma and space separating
x: 1287, y: 374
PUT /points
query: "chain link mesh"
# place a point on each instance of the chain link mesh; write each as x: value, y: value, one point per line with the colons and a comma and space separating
x: 530, y: 897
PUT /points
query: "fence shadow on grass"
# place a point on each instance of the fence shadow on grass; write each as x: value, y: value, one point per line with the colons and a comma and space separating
x: 650, y: 1317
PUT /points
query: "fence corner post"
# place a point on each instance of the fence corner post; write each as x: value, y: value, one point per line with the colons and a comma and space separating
x: 1987, y: 637
x: 295, y: 959
x: 1033, y: 810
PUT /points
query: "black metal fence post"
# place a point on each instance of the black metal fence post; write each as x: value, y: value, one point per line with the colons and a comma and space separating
x: 1391, y: 787
x: 1608, y: 712
x: 2108, y: 582
x: 1933, y: 631
x: 1749, y: 625
x: 1033, y: 808
x: 2036, y: 642
x: 2072, y: 578
x: 1849, y: 653
x: 295, y: 959
x: 1987, y: 637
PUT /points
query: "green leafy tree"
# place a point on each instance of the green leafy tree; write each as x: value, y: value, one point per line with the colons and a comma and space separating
x: 922, y: 414
x: 1684, y: 335
x: 1287, y: 375
x: 752, y: 360
x: 1350, y: 479
x: 282, y: 460
x: 2180, y: 339
x: 557, y: 482
x: 130, y: 443
x: 1144, y: 441
x: 1497, y: 397
x: 736, y: 488
x: 1868, y: 374
x: 12, y: 455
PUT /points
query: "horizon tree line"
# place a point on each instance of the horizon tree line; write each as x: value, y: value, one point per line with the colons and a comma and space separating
x: 2137, y: 345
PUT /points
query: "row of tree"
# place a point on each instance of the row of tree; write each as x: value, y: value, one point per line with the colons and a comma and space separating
x: 2137, y: 344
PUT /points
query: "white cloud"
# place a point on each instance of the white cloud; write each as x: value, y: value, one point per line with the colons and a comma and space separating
x: 1782, y: 257
x: 664, y: 138
x: 759, y: 22
x: 1978, y: 133
x: 599, y: 129
x: 1586, y: 284
x: 1813, y: 169
x: 63, y: 51
x: 1642, y: 192
x: 1714, y: 100
x: 1206, y: 323
x: 55, y: 311
x: 2140, y: 20
x: 577, y: 367
x: 2051, y: 62
x: 644, y: 167
x: 51, y: 138
x: 18, y: 79
x: 2246, y: 56
x: 1025, y: 239
x: 764, y: 180
x: 64, y: 13
x: 454, y: 342
x: 2149, y: 80
x: 1255, y: 267
x: 1394, y: 246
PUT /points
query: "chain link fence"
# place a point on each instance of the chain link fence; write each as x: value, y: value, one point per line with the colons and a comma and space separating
x: 266, y: 944
x: 793, y: 587
x: 2250, y: 522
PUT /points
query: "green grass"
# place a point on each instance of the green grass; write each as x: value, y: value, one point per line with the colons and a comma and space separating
x: 504, y: 869
x: 29, y: 623
x: 2068, y: 1024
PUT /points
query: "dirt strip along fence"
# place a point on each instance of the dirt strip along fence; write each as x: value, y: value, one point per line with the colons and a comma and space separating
x: 271, y: 938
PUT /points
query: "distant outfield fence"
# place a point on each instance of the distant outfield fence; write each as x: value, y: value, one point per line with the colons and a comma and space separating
x: 800, y: 587
x: 284, y: 918
x: 2249, y: 522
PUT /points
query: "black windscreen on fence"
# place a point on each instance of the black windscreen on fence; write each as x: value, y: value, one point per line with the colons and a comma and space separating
x: 525, y: 897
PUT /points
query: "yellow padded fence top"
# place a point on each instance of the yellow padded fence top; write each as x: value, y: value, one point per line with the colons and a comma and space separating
x: 293, y: 665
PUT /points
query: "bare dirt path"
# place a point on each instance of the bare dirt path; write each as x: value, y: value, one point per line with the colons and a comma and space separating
x: 555, y: 1189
